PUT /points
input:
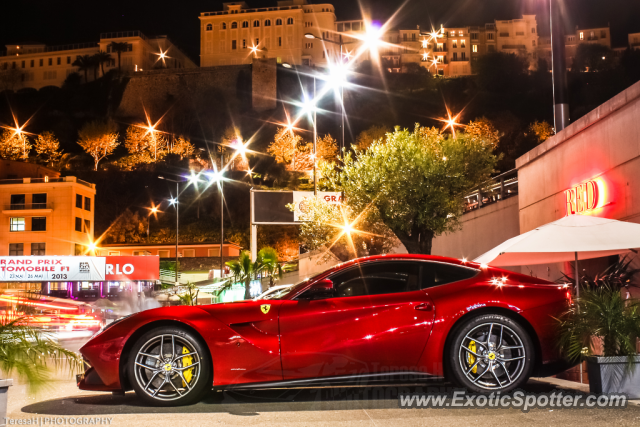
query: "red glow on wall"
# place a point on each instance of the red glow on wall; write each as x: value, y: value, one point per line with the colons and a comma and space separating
x: 584, y: 197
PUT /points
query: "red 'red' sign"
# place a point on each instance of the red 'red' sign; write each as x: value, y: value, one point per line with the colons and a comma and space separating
x: 582, y: 198
x: 128, y: 268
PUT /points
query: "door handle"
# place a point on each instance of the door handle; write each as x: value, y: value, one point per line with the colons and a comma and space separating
x: 425, y: 306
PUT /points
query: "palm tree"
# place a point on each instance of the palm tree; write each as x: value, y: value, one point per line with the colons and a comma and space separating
x: 102, y: 57
x: 242, y: 270
x: 84, y: 63
x: 270, y: 265
x: 119, y: 48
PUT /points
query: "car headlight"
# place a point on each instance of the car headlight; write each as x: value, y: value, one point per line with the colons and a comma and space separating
x: 105, y: 327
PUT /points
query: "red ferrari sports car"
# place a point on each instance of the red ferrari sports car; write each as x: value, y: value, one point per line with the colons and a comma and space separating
x: 483, y: 328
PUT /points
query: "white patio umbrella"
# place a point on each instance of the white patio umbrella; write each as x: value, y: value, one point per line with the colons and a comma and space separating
x: 571, y: 238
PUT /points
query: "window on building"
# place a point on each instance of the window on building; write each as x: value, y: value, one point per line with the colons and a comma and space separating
x: 17, y: 201
x: 78, y: 201
x: 24, y: 63
x: 78, y: 249
x: 68, y: 60
x: 50, y: 61
x: 278, y: 21
x: 41, y: 62
x: 164, y: 253
x: 279, y: 41
x: 39, y: 223
x: 78, y: 225
x: 87, y: 226
x: 463, y: 56
x: 32, y: 63
x: 256, y: 23
x: 533, y: 31
x: 533, y: 42
x: 308, y: 45
x: 234, y: 25
x: 233, y: 44
x: 413, y: 37
x: 16, y: 249
x: 453, y: 33
x: 463, y: 43
x: 87, y: 204
x: 209, y: 27
x: 474, y: 48
x: 188, y: 253
x: 39, y: 201
x: 113, y: 253
x: 489, y: 36
x: 592, y: 34
x: 289, y: 21
x: 455, y: 56
x: 441, y: 59
x: 58, y: 60
x: 454, y: 43
x: 581, y: 35
x: 460, y: 33
x: 603, y: 34
x: 224, y: 25
x: 38, y: 249
x: 257, y: 42
x: 16, y: 224
x: 267, y: 23
x: 245, y: 24
x: 244, y: 43
x: 474, y: 36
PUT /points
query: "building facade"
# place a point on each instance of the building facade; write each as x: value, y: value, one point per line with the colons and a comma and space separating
x: 43, y: 213
x: 195, y: 250
x: 35, y: 65
x: 237, y: 34
x: 600, y: 35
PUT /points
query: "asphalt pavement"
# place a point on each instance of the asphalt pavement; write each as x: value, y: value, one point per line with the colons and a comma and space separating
x: 352, y: 406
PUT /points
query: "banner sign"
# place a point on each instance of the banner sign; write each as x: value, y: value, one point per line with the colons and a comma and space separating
x: 129, y: 268
x: 51, y: 269
x: 300, y: 198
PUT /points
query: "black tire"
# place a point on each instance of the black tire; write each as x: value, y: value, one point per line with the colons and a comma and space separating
x: 501, y: 367
x: 166, y: 379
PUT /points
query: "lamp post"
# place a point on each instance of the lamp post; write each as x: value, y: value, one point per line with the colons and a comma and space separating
x: 175, y: 201
x: 558, y: 68
x: 153, y: 210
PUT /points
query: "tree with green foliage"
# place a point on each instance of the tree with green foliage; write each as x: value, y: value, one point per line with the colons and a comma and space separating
x: 48, y: 147
x: 101, y: 58
x: 593, y: 57
x: 98, y: 139
x: 415, y: 182
x: 84, y: 64
x: 118, y: 48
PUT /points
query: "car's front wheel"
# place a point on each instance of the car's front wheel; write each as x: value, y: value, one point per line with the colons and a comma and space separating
x: 169, y: 366
x: 490, y: 352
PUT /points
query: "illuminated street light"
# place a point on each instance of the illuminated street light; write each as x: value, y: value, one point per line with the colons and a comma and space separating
x: 175, y: 202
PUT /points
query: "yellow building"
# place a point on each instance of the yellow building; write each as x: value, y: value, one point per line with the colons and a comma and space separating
x: 35, y: 65
x: 600, y: 35
x: 237, y: 34
x: 43, y: 213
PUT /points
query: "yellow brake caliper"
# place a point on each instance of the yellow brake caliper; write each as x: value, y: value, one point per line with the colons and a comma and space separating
x: 187, y: 361
x: 471, y: 358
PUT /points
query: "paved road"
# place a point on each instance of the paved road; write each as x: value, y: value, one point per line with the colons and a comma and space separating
x: 375, y: 406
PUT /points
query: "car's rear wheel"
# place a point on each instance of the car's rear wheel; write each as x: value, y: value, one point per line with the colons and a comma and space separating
x: 490, y: 352
x: 169, y: 366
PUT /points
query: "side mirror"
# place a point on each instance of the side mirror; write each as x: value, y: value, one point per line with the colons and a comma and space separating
x: 324, y: 285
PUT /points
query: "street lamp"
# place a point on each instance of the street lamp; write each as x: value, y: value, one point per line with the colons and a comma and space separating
x: 153, y: 210
x: 174, y: 201
x: 558, y: 69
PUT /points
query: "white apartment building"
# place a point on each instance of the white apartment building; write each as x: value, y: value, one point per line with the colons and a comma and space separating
x: 237, y: 34
x: 36, y: 65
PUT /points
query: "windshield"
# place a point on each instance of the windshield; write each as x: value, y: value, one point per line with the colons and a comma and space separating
x: 277, y: 293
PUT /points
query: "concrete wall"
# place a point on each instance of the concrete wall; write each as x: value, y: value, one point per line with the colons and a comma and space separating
x: 604, y: 146
x: 482, y: 230
x: 264, y: 84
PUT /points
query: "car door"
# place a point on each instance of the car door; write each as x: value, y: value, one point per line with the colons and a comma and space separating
x: 377, y: 320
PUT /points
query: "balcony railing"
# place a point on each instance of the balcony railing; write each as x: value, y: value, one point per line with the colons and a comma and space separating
x: 27, y: 206
x: 44, y: 181
x: 498, y: 188
x: 122, y: 34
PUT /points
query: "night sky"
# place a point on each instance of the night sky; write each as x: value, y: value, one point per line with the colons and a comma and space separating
x: 74, y: 21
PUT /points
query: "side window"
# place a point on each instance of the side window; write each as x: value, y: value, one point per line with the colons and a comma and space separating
x: 377, y: 278
x: 436, y: 274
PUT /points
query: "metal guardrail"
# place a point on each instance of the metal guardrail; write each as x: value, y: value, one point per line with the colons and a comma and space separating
x: 498, y: 188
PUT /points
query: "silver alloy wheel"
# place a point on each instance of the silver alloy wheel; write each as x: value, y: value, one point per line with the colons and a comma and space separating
x: 167, y: 367
x: 492, y: 356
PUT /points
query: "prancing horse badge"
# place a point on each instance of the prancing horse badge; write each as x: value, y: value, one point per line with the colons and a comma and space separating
x: 265, y: 308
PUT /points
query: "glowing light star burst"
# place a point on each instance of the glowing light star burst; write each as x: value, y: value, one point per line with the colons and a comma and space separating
x: 348, y: 228
x: 451, y: 122
x: 162, y: 56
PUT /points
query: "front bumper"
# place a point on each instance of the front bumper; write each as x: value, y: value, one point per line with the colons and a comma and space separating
x: 91, y: 381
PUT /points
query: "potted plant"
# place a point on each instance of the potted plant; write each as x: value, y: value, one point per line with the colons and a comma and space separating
x: 29, y: 352
x: 603, y: 326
